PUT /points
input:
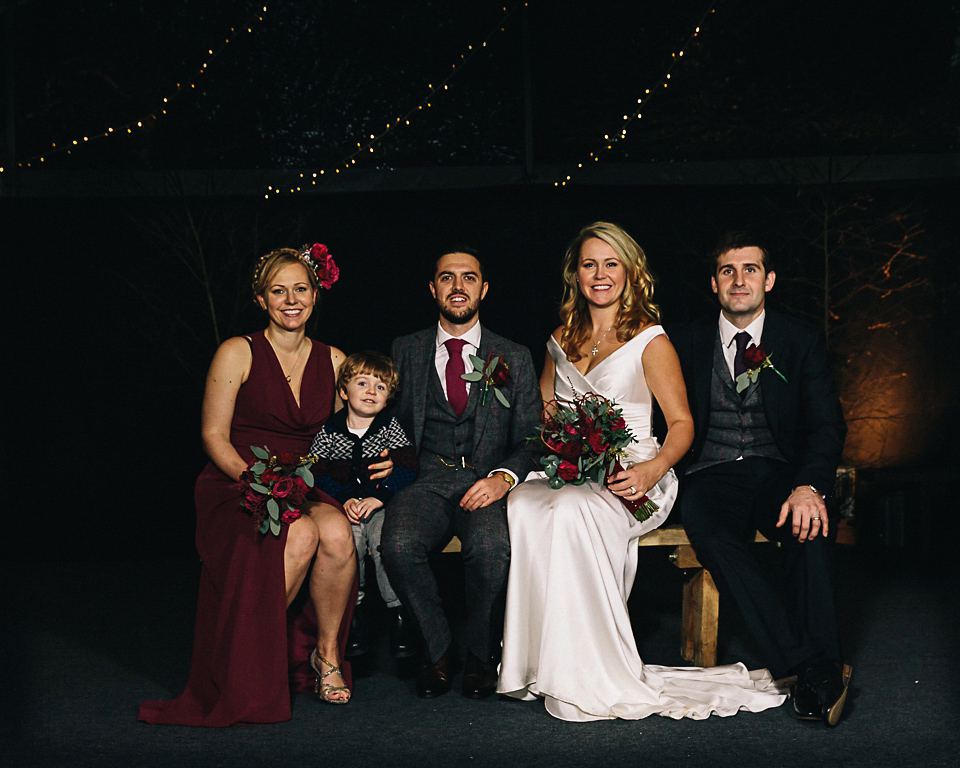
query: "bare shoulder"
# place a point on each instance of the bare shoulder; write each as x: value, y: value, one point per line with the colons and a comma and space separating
x: 234, y: 351
x: 336, y: 358
x: 557, y: 333
x: 659, y: 349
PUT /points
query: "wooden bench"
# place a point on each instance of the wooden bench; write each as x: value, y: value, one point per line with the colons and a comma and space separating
x: 701, y: 602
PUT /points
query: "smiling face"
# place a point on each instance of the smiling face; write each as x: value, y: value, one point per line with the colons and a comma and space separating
x: 600, y: 274
x: 458, y: 288
x: 289, y: 298
x: 741, y: 284
x: 365, y: 395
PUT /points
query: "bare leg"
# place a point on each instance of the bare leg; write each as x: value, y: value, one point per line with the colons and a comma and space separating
x: 302, y: 540
x: 331, y: 581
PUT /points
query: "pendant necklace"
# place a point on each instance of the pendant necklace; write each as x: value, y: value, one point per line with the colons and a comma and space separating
x: 295, y: 362
x: 596, y: 344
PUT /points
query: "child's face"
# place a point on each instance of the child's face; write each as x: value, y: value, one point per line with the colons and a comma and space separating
x: 365, y: 395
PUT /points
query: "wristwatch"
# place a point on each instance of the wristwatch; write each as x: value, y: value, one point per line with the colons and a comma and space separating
x: 505, y: 476
x: 821, y: 495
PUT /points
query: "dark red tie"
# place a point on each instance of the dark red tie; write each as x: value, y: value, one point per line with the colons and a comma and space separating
x: 739, y: 361
x: 456, y: 386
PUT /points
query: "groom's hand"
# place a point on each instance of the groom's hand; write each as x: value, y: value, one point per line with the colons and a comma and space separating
x: 381, y: 469
x: 484, y: 492
x: 807, y: 513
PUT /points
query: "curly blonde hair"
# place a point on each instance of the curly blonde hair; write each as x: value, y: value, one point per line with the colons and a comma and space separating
x: 637, y: 309
x: 369, y: 363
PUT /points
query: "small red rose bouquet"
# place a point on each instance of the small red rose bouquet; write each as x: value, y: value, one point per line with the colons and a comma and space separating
x: 494, y: 373
x: 274, y: 488
x: 586, y: 438
x: 756, y: 358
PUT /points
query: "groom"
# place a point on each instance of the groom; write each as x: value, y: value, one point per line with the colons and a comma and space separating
x: 472, y: 452
x: 769, y: 436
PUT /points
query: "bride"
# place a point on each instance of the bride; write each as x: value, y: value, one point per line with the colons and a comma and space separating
x: 567, y: 635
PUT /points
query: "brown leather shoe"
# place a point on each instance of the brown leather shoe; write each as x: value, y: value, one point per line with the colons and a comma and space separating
x: 479, y: 677
x: 434, y: 679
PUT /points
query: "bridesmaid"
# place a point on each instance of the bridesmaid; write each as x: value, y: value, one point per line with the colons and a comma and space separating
x: 272, y: 388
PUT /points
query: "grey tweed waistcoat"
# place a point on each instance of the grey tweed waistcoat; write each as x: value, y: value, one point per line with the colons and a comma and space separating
x: 738, y: 426
x: 443, y: 432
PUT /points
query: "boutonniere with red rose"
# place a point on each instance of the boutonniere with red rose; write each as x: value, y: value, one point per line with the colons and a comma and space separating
x: 757, y: 359
x: 494, y: 373
x: 586, y: 438
x: 275, y: 487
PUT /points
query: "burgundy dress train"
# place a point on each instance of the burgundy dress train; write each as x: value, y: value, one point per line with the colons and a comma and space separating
x: 249, y: 651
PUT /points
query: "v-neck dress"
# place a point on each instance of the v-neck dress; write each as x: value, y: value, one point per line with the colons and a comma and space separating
x: 567, y: 635
x: 249, y: 650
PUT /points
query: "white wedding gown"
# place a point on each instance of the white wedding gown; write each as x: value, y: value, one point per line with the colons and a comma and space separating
x: 567, y: 635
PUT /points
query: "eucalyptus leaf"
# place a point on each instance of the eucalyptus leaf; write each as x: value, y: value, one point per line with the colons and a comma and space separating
x: 264, y: 525
x: 307, y: 476
x: 477, y: 362
x: 260, y: 488
x: 492, y: 366
x: 273, y: 509
x: 556, y: 483
x: 501, y: 397
x: 275, y: 527
x: 260, y: 453
x: 472, y: 376
x: 258, y: 468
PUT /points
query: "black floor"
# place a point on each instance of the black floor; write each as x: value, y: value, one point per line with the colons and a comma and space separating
x: 90, y: 641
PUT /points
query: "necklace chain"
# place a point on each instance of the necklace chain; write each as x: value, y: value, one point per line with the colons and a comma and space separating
x: 598, y: 342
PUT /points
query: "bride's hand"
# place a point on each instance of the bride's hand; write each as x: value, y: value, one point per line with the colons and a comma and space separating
x: 634, y: 482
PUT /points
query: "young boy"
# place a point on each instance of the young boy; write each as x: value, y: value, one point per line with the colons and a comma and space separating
x: 351, y: 440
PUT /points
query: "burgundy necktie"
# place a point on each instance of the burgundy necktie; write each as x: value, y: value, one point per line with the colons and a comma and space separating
x: 456, y: 386
x: 739, y: 361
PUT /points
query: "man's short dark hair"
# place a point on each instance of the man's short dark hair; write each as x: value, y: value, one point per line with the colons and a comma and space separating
x: 459, y: 248
x: 732, y: 241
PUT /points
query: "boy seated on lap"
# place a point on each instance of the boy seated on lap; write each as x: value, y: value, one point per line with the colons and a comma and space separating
x: 355, y: 437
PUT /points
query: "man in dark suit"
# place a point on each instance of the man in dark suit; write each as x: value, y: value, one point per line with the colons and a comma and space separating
x: 769, y: 436
x: 472, y: 451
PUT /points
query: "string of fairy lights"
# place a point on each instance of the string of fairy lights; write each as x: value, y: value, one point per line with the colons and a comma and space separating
x: 367, y: 147
x: 188, y: 84
x: 610, y: 139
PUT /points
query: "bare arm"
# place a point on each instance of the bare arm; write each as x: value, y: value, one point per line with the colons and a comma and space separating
x: 336, y: 358
x: 661, y: 368
x: 229, y: 369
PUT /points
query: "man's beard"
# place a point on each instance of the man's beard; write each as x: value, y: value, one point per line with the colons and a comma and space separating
x: 459, y: 316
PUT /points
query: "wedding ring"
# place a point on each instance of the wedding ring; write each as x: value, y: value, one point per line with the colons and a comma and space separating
x: 633, y: 490
x: 816, y: 519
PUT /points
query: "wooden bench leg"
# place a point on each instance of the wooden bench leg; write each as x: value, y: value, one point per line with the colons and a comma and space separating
x: 701, y: 604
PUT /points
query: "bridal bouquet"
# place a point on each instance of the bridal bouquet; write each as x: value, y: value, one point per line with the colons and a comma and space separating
x: 586, y: 438
x: 274, y: 487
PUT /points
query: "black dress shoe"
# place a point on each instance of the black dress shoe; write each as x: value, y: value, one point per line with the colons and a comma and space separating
x: 479, y: 677
x: 358, y: 641
x: 434, y: 679
x: 403, y: 643
x: 821, y: 691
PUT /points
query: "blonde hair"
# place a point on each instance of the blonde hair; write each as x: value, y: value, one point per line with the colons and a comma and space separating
x: 369, y: 364
x: 270, y: 264
x: 636, y: 310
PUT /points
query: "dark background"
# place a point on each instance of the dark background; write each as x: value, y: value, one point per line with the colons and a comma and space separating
x: 111, y: 285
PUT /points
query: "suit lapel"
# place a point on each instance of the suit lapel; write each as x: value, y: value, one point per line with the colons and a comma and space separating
x: 480, y: 412
x: 423, y: 371
x: 777, y: 346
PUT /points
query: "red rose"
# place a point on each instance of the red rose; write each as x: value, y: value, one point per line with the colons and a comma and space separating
x: 553, y: 444
x: 288, y: 516
x: 268, y: 477
x: 327, y: 270
x: 288, y: 459
x: 618, y: 424
x: 283, y: 487
x: 299, y: 492
x: 570, y: 450
x: 570, y: 429
x: 253, y: 500
x: 501, y: 374
x: 567, y: 471
x: 595, y: 438
x: 754, y: 355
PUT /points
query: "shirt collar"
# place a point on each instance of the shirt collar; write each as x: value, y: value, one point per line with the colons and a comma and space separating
x: 728, y: 330
x: 472, y: 337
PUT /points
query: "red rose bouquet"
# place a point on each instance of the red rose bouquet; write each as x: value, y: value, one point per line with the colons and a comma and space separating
x: 274, y: 488
x: 756, y: 358
x: 321, y: 261
x: 586, y: 438
x: 494, y: 373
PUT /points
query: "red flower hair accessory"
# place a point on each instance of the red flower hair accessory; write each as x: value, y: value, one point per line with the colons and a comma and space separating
x: 318, y: 258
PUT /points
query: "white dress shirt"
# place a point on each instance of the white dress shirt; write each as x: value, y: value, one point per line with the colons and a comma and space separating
x: 728, y: 332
